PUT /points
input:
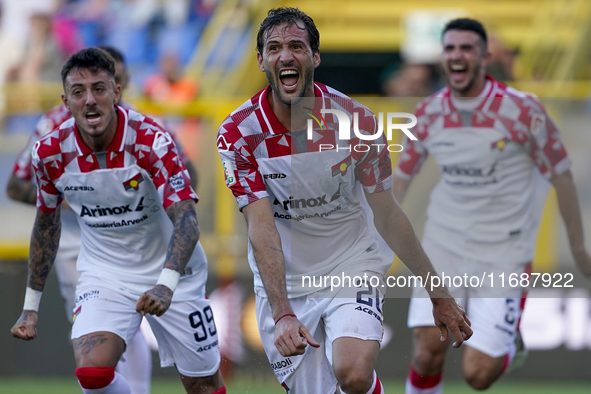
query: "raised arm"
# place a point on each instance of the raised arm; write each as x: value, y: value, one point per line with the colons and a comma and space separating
x: 182, y: 243
x: 43, y: 249
x: 568, y: 203
x: 291, y: 336
x: 394, y: 226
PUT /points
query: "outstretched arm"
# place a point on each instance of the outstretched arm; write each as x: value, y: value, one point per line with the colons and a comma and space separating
x: 291, y: 336
x: 182, y: 243
x: 394, y: 226
x: 568, y: 203
x: 43, y: 249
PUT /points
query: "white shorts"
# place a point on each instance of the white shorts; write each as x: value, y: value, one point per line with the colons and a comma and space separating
x: 327, y: 319
x: 495, y: 320
x: 186, y: 333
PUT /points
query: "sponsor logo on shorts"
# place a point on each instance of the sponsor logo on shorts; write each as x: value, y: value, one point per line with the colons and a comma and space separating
x: 505, y: 330
x: 78, y: 189
x: 281, y: 364
x: 207, y: 347
x: 89, y: 295
x: 370, y: 312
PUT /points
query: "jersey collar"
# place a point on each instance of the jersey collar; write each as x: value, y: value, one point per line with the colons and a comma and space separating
x: 490, y: 88
x: 118, y: 141
x: 274, y: 125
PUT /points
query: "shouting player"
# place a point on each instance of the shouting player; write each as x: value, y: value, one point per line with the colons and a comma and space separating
x: 494, y: 146
x: 304, y: 212
x: 122, y: 176
x: 136, y: 364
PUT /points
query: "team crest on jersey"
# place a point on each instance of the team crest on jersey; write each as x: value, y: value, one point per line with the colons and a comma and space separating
x: 500, y: 145
x: 341, y: 167
x: 133, y: 183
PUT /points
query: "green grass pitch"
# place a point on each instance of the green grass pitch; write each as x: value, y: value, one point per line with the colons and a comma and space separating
x: 51, y: 385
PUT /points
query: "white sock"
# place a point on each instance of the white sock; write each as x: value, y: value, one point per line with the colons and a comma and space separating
x: 136, y: 365
x: 117, y: 386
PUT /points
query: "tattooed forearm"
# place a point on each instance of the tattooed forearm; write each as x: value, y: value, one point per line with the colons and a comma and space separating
x: 31, y: 195
x: 21, y: 190
x: 44, y: 244
x: 184, y: 236
x: 88, y: 342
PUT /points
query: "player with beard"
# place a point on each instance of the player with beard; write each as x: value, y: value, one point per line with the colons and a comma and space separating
x: 123, y: 178
x: 136, y: 363
x: 275, y: 172
x: 498, y: 152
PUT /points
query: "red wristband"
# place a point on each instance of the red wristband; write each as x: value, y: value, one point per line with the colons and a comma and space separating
x: 287, y: 314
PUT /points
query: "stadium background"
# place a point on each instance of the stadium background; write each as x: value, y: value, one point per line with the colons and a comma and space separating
x: 369, y: 49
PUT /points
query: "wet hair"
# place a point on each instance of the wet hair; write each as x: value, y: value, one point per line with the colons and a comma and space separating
x: 92, y: 59
x: 117, y: 56
x: 291, y: 16
x: 467, y: 24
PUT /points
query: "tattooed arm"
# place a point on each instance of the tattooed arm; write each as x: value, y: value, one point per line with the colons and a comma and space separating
x: 21, y: 190
x: 180, y: 248
x: 44, y: 244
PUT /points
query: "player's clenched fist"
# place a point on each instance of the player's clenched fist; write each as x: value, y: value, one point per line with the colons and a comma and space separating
x: 292, y: 337
x: 155, y: 301
x: 24, y: 328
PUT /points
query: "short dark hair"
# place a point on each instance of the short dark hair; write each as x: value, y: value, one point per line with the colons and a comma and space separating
x: 291, y: 16
x: 93, y: 59
x: 467, y: 24
x: 117, y: 56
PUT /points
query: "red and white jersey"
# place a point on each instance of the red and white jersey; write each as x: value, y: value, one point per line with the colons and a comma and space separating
x: 317, y: 197
x: 52, y: 120
x: 119, y: 196
x: 48, y: 122
x: 491, y: 151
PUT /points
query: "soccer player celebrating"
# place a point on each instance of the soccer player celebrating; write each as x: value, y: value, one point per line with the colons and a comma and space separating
x: 494, y: 146
x: 136, y: 364
x: 121, y: 174
x: 275, y: 172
